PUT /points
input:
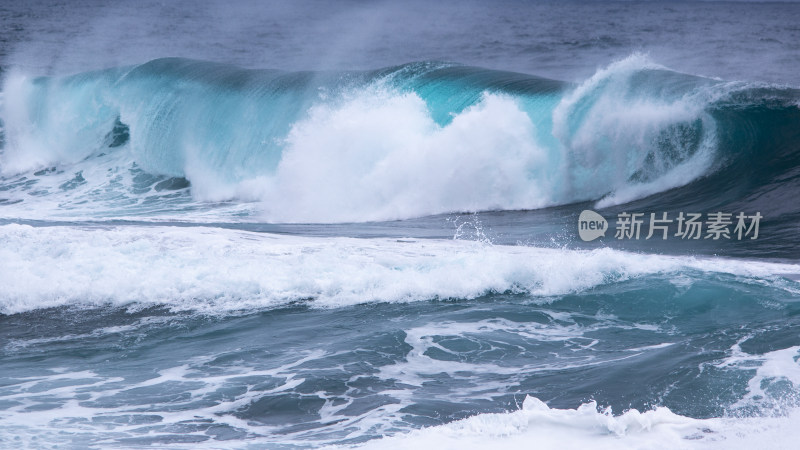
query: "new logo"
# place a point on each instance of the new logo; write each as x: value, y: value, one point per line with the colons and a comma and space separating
x: 591, y: 225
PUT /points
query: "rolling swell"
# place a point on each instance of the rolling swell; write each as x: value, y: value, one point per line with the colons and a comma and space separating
x: 405, y: 141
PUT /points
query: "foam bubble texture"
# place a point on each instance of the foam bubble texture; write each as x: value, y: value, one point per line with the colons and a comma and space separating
x: 217, y: 270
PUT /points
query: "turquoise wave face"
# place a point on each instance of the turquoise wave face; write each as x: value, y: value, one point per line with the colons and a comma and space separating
x: 175, y: 136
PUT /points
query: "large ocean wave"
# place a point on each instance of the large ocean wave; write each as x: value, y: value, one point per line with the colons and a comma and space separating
x: 174, y: 135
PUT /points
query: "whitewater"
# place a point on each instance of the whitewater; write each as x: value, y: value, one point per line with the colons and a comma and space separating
x: 356, y: 225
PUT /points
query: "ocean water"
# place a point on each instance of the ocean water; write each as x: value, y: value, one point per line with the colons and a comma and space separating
x: 356, y: 224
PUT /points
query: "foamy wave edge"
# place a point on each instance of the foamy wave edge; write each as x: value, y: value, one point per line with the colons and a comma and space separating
x: 218, y: 271
x: 536, y: 425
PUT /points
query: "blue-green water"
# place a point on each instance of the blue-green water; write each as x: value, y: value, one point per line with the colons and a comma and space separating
x: 282, y: 226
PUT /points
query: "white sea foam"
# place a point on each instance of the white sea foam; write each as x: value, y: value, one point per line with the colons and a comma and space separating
x: 218, y: 270
x: 535, y: 425
x: 380, y: 155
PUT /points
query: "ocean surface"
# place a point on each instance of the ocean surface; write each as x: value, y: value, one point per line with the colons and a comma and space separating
x: 356, y: 224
